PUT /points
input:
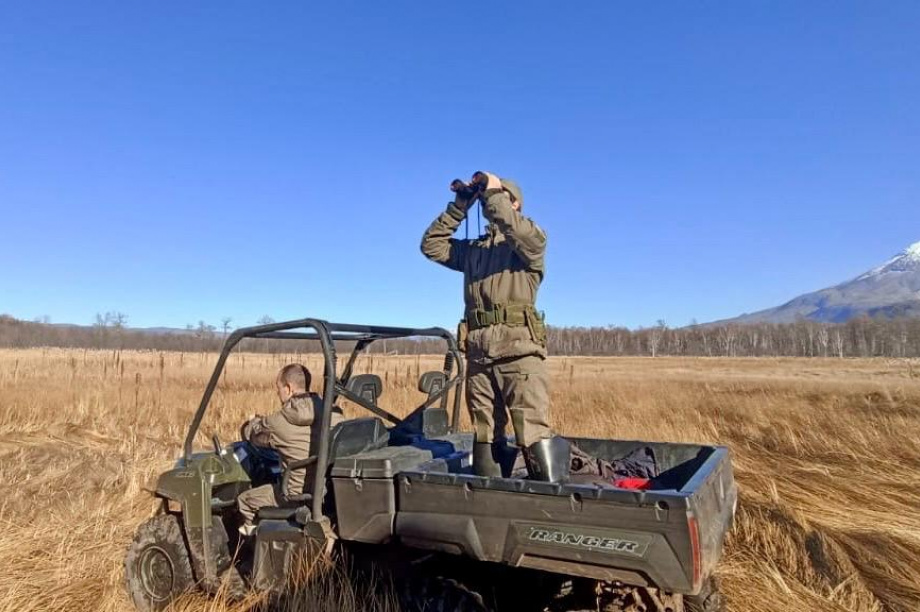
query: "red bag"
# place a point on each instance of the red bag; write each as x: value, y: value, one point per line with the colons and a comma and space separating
x: 636, y: 484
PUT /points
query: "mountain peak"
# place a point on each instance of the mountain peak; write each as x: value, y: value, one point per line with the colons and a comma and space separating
x: 907, y: 260
x: 890, y: 290
x: 913, y: 251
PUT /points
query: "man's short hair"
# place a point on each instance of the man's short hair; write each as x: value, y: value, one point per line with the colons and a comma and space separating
x: 296, y: 376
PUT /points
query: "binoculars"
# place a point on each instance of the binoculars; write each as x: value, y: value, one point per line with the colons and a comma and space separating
x: 471, y: 189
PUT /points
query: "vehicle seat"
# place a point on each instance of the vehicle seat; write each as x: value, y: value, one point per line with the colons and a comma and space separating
x: 273, y: 513
x: 366, y: 386
x: 347, y: 438
x: 435, y: 421
x: 431, y: 383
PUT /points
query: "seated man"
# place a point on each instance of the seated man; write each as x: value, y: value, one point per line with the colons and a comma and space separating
x: 289, y: 432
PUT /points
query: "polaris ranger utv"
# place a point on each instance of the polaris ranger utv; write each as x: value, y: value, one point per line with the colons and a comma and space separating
x: 406, y: 486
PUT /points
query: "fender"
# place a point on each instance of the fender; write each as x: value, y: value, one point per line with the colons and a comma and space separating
x: 191, y: 484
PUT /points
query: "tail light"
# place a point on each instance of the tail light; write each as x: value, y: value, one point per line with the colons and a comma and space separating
x: 696, y: 554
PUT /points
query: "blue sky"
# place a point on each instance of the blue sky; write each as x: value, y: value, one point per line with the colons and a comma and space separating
x: 186, y: 161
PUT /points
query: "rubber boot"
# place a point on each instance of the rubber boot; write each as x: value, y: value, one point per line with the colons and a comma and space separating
x: 549, y: 460
x: 484, y: 463
x: 506, y: 456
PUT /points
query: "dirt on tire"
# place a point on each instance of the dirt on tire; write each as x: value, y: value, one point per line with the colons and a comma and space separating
x: 157, y: 565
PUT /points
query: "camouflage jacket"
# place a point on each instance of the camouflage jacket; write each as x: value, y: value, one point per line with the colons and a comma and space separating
x: 292, y: 431
x: 503, y: 267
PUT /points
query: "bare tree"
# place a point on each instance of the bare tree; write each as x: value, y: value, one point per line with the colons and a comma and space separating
x: 837, y: 338
x: 655, y: 336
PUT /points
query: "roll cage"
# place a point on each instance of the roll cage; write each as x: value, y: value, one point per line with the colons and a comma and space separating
x: 335, y: 386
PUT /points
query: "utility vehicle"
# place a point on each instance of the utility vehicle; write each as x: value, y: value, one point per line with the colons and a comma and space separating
x: 403, y: 489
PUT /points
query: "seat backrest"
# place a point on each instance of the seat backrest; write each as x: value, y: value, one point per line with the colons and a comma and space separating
x: 366, y: 386
x: 433, y: 420
x: 357, y: 436
x: 432, y: 383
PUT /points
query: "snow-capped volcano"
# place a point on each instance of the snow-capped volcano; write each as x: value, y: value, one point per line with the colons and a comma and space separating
x: 890, y: 290
x: 907, y: 260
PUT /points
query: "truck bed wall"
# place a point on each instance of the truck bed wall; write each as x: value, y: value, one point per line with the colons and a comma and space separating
x: 640, y: 544
x: 639, y: 537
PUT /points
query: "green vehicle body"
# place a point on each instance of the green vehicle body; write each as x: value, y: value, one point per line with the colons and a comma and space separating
x: 192, y: 485
x: 408, y: 483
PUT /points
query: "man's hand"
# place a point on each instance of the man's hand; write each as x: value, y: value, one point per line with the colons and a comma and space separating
x: 486, y: 180
x: 246, y: 429
x: 466, y: 194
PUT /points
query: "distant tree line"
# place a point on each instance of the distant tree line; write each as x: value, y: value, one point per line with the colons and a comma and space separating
x: 110, y: 331
x: 863, y: 337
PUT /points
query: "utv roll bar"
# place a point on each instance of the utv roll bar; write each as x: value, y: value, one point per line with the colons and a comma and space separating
x: 328, y: 334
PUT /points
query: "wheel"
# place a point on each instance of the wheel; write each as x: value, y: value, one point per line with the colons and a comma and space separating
x: 708, y: 600
x: 157, y: 566
x: 441, y: 595
x: 233, y: 586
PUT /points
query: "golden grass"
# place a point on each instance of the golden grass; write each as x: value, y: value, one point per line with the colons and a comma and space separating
x: 827, y: 454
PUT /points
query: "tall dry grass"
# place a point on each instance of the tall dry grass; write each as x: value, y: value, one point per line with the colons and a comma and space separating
x: 827, y: 454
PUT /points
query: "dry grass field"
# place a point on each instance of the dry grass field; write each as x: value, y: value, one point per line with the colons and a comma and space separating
x: 827, y: 454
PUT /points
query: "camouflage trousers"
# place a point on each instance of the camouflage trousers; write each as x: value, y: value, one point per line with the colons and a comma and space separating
x: 516, y: 387
x: 251, y: 500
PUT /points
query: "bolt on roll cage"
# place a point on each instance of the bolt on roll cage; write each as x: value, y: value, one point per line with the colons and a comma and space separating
x: 333, y: 386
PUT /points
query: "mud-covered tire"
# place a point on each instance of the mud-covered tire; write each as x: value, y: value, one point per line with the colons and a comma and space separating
x: 708, y: 600
x: 441, y: 595
x: 157, y: 566
x: 233, y: 586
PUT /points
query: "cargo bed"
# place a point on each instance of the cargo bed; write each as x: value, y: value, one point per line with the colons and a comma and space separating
x: 426, y: 496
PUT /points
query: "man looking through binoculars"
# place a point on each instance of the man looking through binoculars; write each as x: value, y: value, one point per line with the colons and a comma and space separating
x: 502, y: 332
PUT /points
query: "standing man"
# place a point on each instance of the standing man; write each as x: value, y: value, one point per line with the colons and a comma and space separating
x: 502, y: 332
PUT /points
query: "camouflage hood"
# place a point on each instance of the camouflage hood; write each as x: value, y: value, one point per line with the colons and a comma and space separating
x: 300, y: 409
x: 514, y: 189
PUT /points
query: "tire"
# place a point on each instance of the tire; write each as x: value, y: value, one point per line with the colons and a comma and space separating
x: 157, y: 566
x: 441, y: 595
x: 708, y: 600
x: 233, y: 586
